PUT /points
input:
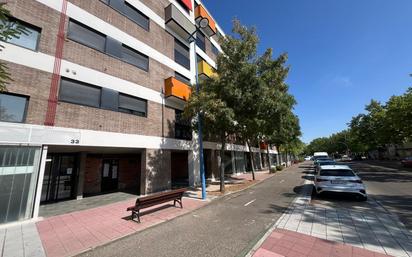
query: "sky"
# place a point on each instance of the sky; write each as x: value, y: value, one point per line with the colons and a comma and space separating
x: 342, y: 53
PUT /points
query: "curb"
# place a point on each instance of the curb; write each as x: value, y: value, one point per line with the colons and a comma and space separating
x: 275, y: 225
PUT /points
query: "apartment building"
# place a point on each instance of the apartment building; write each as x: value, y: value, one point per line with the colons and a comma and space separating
x: 95, y: 105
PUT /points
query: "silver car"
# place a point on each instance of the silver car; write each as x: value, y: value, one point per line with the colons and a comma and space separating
x: 339, y: 178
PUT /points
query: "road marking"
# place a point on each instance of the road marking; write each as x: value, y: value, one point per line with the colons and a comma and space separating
x: 246, y: 204
x: 282, y: 181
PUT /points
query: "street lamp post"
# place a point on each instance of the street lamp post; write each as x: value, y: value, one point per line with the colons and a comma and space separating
x: 202, y: 23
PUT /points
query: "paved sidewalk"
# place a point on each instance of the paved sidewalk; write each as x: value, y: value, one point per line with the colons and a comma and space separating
x: 73, y: 233
x: 20, y: 241
x: 367, y: 226
x: 288, y: 243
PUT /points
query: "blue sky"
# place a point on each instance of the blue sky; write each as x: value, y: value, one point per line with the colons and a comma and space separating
x: 342, y: 53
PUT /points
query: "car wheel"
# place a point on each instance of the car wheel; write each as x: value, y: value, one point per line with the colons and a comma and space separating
x: 362, y: 198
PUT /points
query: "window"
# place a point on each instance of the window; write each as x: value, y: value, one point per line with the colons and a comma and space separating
x: 135, y: 58
x: 86, y: 36
x: 182, y: 126
x: 200, y: 41
x: 136, y: 16
x: 13, y: 107
x: 104, y: 98
x: 79, y: 93
x: 130, y: 12
x: 182, y: 78
x: 29, y: 39
x: 133, y: 105
x: 215, y: 50
x: 182, y: 55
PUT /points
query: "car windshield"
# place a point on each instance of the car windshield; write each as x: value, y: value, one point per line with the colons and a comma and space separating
x: 337, y: 173
x: 327, y: 163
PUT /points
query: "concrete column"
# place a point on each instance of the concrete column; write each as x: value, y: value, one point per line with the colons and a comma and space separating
x: 40, y: 182
x: 157, y: 171
x: 82, y: 170
x: 233, y: 162
x: 143, y: 173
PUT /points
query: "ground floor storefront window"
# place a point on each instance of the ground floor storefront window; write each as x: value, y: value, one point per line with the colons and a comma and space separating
x: 19, y: 168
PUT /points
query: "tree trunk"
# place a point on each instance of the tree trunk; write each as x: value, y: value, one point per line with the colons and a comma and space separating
x: 222, y: 165
x: 267, y: 149
x: 252, y: 162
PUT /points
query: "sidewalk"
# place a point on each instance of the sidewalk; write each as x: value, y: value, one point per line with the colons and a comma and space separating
x: 76, y: 232
x: 364, y: 230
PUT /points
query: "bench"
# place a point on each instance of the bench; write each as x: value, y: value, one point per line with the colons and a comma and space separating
x: 155, y: 199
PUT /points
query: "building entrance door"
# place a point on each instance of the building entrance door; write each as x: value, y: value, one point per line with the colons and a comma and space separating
x: 110, y: 175
x: 59, y: 177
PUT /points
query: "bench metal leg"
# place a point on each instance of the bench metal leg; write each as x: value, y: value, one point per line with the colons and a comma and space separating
x: 136, y: 214
x: 178, y: 201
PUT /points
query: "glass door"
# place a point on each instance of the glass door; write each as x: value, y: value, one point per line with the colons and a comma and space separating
x: 110, y: 176
x: 59, y: 177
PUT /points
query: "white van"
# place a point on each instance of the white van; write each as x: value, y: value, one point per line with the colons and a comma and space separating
x: 323, y: 154
x: 320, y: 155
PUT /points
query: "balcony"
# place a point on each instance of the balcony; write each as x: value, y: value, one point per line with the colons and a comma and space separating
x: 200, y: 12
x: 177, y: 89
x: 178, y: 22
x: 205, y: 69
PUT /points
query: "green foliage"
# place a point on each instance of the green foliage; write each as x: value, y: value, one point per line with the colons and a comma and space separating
x: 279, y: 167
x: 248, y: 99
x: 8, y: 30
x: 380, y: 125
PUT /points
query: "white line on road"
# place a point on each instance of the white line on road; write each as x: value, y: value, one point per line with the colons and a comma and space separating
x: 246, y: 204
x: 282, y: 181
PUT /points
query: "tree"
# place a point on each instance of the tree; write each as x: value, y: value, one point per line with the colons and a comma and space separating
x: 8, y: 30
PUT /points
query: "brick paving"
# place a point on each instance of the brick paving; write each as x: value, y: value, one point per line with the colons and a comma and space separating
x: 72, y: 233
x: 286, y: 243
x: 363, y: 225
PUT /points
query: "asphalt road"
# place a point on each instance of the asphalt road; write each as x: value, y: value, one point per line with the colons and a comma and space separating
x: 390, y: 185
x: 229, y: 226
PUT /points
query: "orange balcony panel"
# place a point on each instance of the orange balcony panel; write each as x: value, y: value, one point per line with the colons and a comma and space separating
x: 200, y: 12
x: 176, y: 88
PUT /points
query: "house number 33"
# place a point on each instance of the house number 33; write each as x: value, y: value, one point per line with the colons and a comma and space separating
x: 75, y: 141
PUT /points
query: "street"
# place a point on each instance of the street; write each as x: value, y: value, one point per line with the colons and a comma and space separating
x: 230, y: 226
x: 390, y: 185
x: 226, y: 227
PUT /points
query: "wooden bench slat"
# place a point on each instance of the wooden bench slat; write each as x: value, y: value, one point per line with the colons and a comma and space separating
x: 151, y: 200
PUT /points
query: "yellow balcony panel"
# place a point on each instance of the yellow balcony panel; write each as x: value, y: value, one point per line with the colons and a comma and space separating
x: 200, y: 12
x: 205, y: 69
x: 176, y: 88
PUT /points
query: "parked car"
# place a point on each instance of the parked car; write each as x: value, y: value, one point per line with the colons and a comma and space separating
x: 341, y: 179
x: 308, y: 158
x: 323, y: 162
x: 407, y: 162
x: 346, y: 158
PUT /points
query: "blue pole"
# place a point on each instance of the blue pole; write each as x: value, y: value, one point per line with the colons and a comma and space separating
x: 200, y: 128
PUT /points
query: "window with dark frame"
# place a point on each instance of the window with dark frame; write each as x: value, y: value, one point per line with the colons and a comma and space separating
x: 215, y: 50
x: 132, y: 105
x: 137, y: 16
x: 85, y: 35
x: 200, y: 40
x: 96, y: 40
x: 182, y: 54
x: 183, y: 130
x: 182, y: 78
x: 29, y: 39
x: 135, y: 58
x: 81, y: 93
x: 130, y: 12
x: 13, y: 107
x: 76, y: 92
